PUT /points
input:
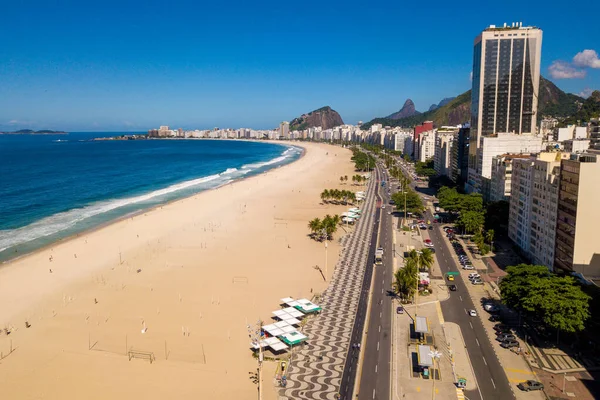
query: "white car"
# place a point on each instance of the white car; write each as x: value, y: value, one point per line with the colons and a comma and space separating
x: 472, y: 313
x: 468, y: 267
x: 382, y: 207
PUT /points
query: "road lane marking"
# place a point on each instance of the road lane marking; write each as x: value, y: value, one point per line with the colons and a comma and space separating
x: 379, y: 328
x: 373, y: 393
x: 379, y: 314
x: 377, y: 346
x: 375, y: 368
x: 477, y: 342
x: 493, y: 383
x: 460, y: 298
x: 471, y: 324
x: 485, y: 362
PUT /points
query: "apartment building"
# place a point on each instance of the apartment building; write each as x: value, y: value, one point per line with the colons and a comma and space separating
x: 442, y: 158
x: 501, y: 180
x: 460, y: 156
x: 577, y: 247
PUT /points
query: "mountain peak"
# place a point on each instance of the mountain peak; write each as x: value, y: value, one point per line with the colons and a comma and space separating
x: 407, y: 110
x: 325, y: 117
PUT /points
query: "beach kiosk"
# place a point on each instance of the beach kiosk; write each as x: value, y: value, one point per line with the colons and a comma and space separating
x: 421, y: 328
x: 424, y: 359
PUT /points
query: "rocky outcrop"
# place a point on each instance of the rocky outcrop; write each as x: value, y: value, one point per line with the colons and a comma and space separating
x: 324, y: 117
x: 407, y: 110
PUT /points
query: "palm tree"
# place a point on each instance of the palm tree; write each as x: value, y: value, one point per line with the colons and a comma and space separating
x: 353, y: 179
x: 346, y: 178
x: 425, y: 259
x: 341, y: 179
x: 325, y: 195
x: 489, y: 235
x: 315, y: 225
x: 406, y: 280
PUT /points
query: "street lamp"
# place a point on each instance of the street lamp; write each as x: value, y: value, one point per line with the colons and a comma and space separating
x: 255, y: 333
x: 324, y: 231
x: 435, y: 355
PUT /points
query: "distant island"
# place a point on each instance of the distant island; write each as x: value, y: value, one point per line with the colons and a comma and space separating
x: 32, y: 132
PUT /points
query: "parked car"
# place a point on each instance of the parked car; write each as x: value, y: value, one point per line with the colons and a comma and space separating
x: 509, y: 343
x: 452, y: 288
x: 472, y: 313
x: 494, y: 318
x: 530, y: 385
x: 477, y: 282
x: 505, y: 337
x: 490, y: 307
x: 502, y: 328
x: 468, y: 266
x: 399, y: 310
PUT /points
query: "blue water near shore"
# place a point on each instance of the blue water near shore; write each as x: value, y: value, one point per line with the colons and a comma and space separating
x: 54, y: 186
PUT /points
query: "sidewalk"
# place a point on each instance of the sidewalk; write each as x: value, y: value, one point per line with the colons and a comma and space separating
x: 406, y: 382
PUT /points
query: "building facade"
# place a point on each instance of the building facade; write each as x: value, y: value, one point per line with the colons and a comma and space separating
x: 460, y: 156
x: 442, y: 158
x: 506, y: 78
x: 577, y: 248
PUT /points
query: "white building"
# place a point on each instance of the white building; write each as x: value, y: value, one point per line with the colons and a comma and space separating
x: 533, y: 205
x: 501, y: 180
x: 442, y: 159
x: 576, y: 145
x: 284, y: 130
x: 426, y: 146
x: 491, y: 146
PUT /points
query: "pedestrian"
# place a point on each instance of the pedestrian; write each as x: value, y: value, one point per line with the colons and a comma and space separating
x: 50, y: 270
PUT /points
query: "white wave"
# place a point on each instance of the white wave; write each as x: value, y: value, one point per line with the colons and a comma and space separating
x: 289, y: 152
x: 64, y: 220
x: 229, y: 171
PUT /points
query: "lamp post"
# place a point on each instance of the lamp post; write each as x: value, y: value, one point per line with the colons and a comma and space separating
x: 435, y: 355
x: 255, y: 333
x: 324, y: 231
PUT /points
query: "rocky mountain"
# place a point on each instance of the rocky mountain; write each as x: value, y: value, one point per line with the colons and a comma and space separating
x: 407, y: 110
x: 441, y: 103
x: 552, y: 102
x: 324, y: 117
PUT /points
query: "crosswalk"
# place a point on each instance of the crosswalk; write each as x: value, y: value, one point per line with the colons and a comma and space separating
x: 460, y: 395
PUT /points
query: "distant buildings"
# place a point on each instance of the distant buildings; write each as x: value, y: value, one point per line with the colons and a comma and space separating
x: 424, y: 141
x: 442, y: 159
x: 594, y: 133
x: 500, y: 182
x: 284, y: 130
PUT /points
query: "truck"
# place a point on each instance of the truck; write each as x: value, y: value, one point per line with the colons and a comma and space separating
x: 379, y: 256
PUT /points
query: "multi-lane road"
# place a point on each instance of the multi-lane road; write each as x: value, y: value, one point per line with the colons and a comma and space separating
x: 376, y: 366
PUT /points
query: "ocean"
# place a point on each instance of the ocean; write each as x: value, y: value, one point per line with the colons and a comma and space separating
x: 55, y: 186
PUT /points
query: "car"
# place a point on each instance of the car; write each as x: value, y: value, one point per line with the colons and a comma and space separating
x: 427, y: 240
x: 383, y: 206
x: 399, y: 310
x: 451, y: 277
x: 504, y: 337
x: 530, y: 385
x: 472, y: 274
x: 501, y: 327
x: 477, y: 282
x: 467, y: 266
x: 509, y: 343
x: 494, y: 318
x: 490, y: 307
x: 452, y: 288
x: 431, y: 227
x: 472, y: 313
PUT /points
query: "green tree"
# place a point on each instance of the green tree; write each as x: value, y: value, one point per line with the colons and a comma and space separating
x: 559, y: 301
x: 470, y: 221
x: 324, y: 195
x: 425, y: 260
x: 406, y: 279
x: 471, y: 202
x: 315, y: 225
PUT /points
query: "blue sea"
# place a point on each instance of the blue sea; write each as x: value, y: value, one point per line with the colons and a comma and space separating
x: 54, y: 186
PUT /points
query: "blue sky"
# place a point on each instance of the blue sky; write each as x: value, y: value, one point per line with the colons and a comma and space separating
x: 127, y: 65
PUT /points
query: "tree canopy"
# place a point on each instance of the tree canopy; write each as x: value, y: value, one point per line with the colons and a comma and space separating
x: 558, y: 300
x: 414, y: 204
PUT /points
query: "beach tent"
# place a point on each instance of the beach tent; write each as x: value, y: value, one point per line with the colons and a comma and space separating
x: 272, y: 342
x: 348, y: 220
x: 293, y: 338
x: 304, y: 305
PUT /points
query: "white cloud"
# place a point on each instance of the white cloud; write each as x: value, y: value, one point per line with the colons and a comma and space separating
x: 585, y: 93
x: 587, y: 58
x: 13, y: 122
x: 564, y: 70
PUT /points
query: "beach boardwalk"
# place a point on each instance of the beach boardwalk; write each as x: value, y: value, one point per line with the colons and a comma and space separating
x: 316, y: 369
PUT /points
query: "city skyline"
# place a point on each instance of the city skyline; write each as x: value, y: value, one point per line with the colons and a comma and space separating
x: 199, y: 66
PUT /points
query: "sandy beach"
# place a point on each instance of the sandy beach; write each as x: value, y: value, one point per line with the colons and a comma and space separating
x: 192, y: 274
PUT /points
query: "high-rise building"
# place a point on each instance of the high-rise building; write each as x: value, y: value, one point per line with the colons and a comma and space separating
x: 594, y: 133
x: 442, y: 158
x: 505, y: 88
x: 460, y: 156
x: 284, y: 130
x: 500, y: 182
x: 577, y: 248
x: 533, y: 205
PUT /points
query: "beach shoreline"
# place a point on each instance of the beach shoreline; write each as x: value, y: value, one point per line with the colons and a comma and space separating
x: 151, y: 208
x: 195, y: 272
